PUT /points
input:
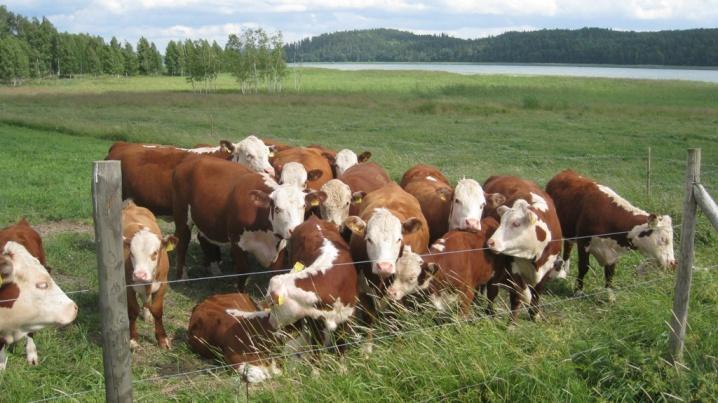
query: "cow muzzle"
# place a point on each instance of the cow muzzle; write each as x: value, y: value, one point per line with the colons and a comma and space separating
x: 384, y: 269
x: 141, y: 276
x: 473, y: 224
x: 270, y: 171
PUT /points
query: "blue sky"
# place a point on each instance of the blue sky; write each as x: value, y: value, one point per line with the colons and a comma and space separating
x: 162, y: 20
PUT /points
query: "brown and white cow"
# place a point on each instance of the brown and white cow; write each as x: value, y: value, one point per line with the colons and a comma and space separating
x: 294, y: 173
x: 347, y: 158
x: 230, y: 204
x: 530, y: 233
x: 147, y: 169
x: 455, y: 266
x: 29, y: 299
x: 345, y: 194
x: 389, y: 219
x: 322, y: 285
x: 146, y: 269
x: 606, y: 225
x: 313, y: 161
x: 244, y: 342
x: 445, y: 208
x: 22, y: 233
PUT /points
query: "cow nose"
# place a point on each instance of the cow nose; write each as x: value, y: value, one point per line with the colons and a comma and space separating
x: 672, y: 264
x: 290, y: 232
x: 141, y: 276
x: 385, y: 268
x: 473, y: 223
x: 269, y: 171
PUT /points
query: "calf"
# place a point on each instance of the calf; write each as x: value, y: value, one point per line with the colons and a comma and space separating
x: 323, y: 284
x: 445, y: 208
x: 345, y: 194
x: 230, y: 204
x: 147, y: 169
x: 146, y: 269
x: 22, y: 233
x: 244, y: 342
x: 606, y: 226
x: 530, y: 233
x: 458, y: 262
x: 312, y: 159
x: 29, y: 299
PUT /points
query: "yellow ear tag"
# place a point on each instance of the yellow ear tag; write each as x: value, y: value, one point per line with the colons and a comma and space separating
x: 170, y: 246
x: 298, y: 267
x: 315, y: 202
x: 271, y: 154
x: 280, y: 300
x: 532, y: 219
x: 0, y: 281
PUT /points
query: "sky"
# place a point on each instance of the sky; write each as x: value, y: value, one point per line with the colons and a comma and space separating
x: 164, y: 20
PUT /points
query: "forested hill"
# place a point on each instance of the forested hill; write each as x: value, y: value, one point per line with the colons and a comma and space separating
x: 695, y: 47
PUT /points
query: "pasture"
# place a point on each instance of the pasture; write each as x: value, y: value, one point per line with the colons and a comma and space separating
x: 474, y: 126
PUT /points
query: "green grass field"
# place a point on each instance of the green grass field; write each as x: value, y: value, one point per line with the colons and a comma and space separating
x: 474, y: 126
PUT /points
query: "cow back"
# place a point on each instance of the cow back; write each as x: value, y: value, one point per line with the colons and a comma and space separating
x: 22, y: 233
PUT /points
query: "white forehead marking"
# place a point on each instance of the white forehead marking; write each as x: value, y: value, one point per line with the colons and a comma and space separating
x: 338, y: 192
x: 201, y: 150
x: 287, y: 195
x: 294, y: 173
x: 468, y: 189
x: 27, y: 261
x: 383, y: 221
x: 431, y: 178
x: 144, y: 242
x: 538, y: 202
x: 345, y: 159
x: 620, y: 201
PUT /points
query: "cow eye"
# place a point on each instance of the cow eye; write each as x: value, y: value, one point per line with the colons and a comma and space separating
x: 369, y: 240
x: 516, y: 224
x: 42, y: 285
x: 277, y: 210
x: 250, y: 157
x: 154, y: 256
x: 398, y: 240
x: 457, y: 201
x: 346, y: 204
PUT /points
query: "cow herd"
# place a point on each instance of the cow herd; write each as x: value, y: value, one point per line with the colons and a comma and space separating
x: 342, y: 236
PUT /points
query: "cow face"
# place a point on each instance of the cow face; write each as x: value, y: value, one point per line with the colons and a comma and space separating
x: 383, y: 235
x: 335, y: 208
x: 345, y: 160
x: 521, y: 233
x: 287, y: 204
x: 145, y: 249
x: 467, y: 206
x: 655, y: 239
x: 412, y: 275
x: 39, y: 301
x: 253, y: 153
x: 294, y: 173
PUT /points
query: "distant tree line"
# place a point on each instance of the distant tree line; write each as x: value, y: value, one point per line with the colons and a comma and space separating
x: 32, y: 48
x: 695, y: 47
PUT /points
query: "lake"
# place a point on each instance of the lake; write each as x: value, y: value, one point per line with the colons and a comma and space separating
x: 650, y: 73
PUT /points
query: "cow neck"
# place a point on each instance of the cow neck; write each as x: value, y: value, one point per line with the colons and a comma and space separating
x: 9, y: 293
x: 627, y: 221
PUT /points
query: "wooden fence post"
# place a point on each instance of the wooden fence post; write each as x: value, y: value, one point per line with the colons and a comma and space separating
x: 684, y: 274
x: 107, y: 212
x: 706, y: 203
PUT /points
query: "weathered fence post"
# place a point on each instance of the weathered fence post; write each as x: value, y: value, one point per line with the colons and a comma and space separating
x: 648, y: 175
x: 685, y: 263
x: 107, y: 212
x: 706, y: 203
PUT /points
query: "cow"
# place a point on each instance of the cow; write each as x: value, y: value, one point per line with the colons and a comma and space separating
x: 230, y: 204
x: 457, y: 263
x: 29, y: 300
x: 605, y: 225
x: 346, y: 159
x: 322, y: 285
x: 312, y: 159
x: 22, y: 233
x: 147, y: 169
x: 445, y: 208
x: 294, y: 173
x: 345, y: 194
x: 146, y: 269
x: 245, y: 343
x: 530, y: 233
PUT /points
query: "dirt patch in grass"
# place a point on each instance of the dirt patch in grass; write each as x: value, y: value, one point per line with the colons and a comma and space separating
x: 57, y: 227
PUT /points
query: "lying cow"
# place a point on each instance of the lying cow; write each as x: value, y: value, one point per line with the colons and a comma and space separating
x: 230, y: 204
x: 29, y: 300
x: 244, y: 343
x: 530, y: 233
x: 146, y: 269
x: 147, y: 169
x: 456, y: 265
x: 606, y: 226
x: 323, y: 284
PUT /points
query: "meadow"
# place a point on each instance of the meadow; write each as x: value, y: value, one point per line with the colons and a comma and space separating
x: 473, y: 126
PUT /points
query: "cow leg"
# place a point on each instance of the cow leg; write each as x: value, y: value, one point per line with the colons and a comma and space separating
x: 133, y: 311
x: 534, y: 308
x: 3, y: 357
x: 241, y: 265
x: 492, y: 290
x: 520, y: 293
x: 31, y: 350
x: 608, y: 272
x: 183, y: 233
x: 567, y: 248
x: 156, y: 308
x: 211, y: 255
x: 467, y: 296
x: 582, y: 265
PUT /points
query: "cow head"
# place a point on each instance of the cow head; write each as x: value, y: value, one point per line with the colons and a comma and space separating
x: 287, y: 206
x: 347, y: 158
x: 468, y: 204
x: 383, y: 235
x: 39, y: 301
x: 335, y: 208
x: 294, y: 173
x: 655, y: 239
x: 521, y: 232
x: 412, y: 275
x: 145, y: 250
x: 251, y: 152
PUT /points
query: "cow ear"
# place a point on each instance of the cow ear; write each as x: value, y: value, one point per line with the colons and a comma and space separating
x: 260, y: 199
x: 314, y: 199
x: 494, y: 200
x: 532, y: 217
x: 431, y: 268
x: 23, y: 221
x: 356, y: 225
x: 445, y: 194
x: 410, y: 226
x: 226, y: 145
x: 170, y: 242
x: 331, y: 158
x: 364, y: 157
x: 126, y: 241
x: 652, y: 221
x: 501, y: 210
x: 7, y: 268
x: 358, y: 197
x: 314, y: 174
x: 272, y: 150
